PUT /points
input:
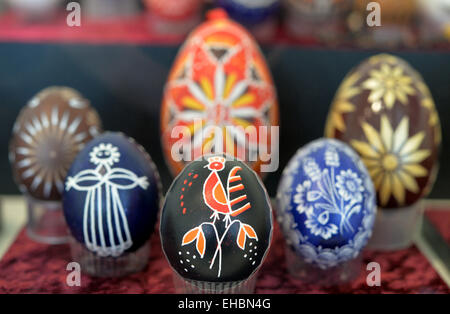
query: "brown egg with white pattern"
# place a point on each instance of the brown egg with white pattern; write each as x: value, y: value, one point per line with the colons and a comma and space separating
x: 385, y: 111
x: 49, y: 132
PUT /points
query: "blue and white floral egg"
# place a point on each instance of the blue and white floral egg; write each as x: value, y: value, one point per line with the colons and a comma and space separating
x: 326, y: 203
x: 111, y: 196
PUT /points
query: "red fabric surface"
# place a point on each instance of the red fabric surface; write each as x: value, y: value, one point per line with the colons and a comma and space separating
x: 29, y: 267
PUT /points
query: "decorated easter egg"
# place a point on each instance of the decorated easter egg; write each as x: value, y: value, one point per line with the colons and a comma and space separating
x: 219, y: 97
x: 111, y: 196
x: 385, y: 111
x: 47, y: 135
x: 326, y: 203
x: 216, y: 222
x: 173, y: 9
x: 249, y: 12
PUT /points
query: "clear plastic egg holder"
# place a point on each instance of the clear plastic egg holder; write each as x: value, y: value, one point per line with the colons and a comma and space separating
x: 46, y: 223
x: 183, y: 286
x: 312, y: 274
x: 99, y: 266
x: 396, y: 228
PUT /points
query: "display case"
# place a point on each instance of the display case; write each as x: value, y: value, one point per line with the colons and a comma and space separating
x: 121, y: 65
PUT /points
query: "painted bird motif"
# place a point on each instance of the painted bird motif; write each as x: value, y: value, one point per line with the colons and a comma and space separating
x: 221, y: 200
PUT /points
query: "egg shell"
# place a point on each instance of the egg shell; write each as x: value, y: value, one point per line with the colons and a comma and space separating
x: 250, y: 12
x: 219, y: 78
x: 385, y: 111
x: 227, y: 205
x: 326, y: 203
x: 111, y: 197
x: 49, y: 132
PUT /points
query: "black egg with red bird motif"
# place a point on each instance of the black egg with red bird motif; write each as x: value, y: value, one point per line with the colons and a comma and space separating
x: 216, y: 222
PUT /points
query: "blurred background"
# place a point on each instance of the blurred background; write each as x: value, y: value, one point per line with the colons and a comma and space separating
x: 120, y: 55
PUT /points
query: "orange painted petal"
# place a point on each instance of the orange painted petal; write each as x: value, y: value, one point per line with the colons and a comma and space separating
x: 190, y: 236
x: 201, y: 244
x: 241, y: 238
x: 250, y: 231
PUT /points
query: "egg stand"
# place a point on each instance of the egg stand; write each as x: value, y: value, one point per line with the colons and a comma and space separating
x: 183, y: 286
x: 101, y: 266
x: 309, y: 273
x: 46, y: 223
x: 396, y: 228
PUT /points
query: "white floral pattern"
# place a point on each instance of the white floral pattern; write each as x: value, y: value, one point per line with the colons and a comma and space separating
x: 349, y: 186
x: 301, y: 197
x: 322, y: 204
x: 320, y: 225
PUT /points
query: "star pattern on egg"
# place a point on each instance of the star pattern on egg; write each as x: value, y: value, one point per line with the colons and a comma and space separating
x: 220, y: 86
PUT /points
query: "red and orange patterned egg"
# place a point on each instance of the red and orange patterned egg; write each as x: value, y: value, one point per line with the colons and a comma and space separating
x: 219, y: 97
x: 385, y: 111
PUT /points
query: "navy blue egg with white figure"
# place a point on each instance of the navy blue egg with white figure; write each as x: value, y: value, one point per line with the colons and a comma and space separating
x: 326, y: 203
x: 111, y: 196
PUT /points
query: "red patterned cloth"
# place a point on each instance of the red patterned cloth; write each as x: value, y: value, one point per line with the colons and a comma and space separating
x: 29, y: 267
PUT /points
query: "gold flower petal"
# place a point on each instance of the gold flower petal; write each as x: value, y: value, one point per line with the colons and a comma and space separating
x: 376, y: 94
x: 398, y: 190
x: 385, y: 191
x: 386, y: 132
x: 349, y: 93
x: 365, y: 149
x: 373, y: 137
x: 401, y: 96
x: 345, y: 106
x: 401, y: 134
x: 372, y: 83
x: 417, y: 156
x: 415, y: 169
x: 377, y: 179
x: 412, y: 144
x: 408, y: 181
x: 371, y: 163
x: 338, y: 121
x: 397, y: 71
x: 389, y: 98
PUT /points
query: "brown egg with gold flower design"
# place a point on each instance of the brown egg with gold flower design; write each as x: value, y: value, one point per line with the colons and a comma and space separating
x: 385, y: 111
